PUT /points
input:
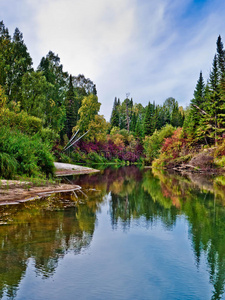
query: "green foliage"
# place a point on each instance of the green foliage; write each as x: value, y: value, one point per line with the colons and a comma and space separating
x: 152, y: 144
x: 8, y: 165
x: 72, y: 108
x: 22, y: 121
x: 198, y: 100
x: 57, y: 79
x: 115, y: 118
x: 3, y: 100
x: 87, y: 112
x: 171, y: 149
x: 149, y: 121
x: 32, y: 156
x: 48, y: 135
x: 15, y: 61
x: 34, y: 94
x: 139, y: 131
x: 94, y: 157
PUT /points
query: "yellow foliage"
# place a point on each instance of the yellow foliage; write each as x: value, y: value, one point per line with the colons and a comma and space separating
x: 3, y: 100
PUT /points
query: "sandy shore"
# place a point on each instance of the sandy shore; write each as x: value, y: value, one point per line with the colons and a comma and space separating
x: 63, y: 169
x: 15, y: 191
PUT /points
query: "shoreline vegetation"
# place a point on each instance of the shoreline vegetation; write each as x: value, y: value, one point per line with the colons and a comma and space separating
x: 48, y: 115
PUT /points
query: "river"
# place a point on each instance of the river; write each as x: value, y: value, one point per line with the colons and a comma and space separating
x: 129, y: 234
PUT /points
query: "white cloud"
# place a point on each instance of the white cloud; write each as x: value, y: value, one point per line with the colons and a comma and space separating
x: 86, y: 34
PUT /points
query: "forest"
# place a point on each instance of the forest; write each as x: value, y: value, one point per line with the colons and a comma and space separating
x: 49, y: 115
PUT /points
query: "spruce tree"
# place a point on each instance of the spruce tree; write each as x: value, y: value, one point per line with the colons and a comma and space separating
x: 139, y: 129
x: 214, y: 119
x: 198, y: 100
x: 71, y: 109
x: 149, y: 122
x: 114, y: 120
x: 220, y: 57
x: 133, y: 122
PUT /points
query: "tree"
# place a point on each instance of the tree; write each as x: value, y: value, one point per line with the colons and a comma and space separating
x: 87, y: 112
x: 139, y: 132
x: 53, y: 71
x: 98, y: 128
x: 197, y: 102
x: 22, y: 63
x: 3, y: 100
x: 220, y: 57
x: 114, y: 120
x: 72, y: 107
x: 149, y: 122
x: 15, y: 61
x: 212, y: 122
x: 34, y: 90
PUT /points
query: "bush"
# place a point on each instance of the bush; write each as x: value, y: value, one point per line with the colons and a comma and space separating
x: 8, y: 166
x: 171, y: 149
x: 48, y: 135
x: 21, y: 121
x: 152, y: 144
x: 32, y: 156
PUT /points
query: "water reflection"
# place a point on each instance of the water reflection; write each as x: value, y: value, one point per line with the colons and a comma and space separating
x: 47, y: 229
x: 44, y: 230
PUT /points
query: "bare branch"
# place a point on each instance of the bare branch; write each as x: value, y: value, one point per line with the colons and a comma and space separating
x: 201, y: 110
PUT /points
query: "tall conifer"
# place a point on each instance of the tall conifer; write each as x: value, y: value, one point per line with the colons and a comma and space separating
x: 114, y: 120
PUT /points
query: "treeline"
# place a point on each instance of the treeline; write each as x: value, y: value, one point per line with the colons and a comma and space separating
x: 39, y: 107
x: 48, y: 93
x: 204, y: 124
x: 205, y: 121
x: 143, y: 121
x: 47, y: 106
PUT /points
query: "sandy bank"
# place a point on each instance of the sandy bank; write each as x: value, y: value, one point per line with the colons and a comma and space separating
x: 63, y: 169
x: 15, y: 191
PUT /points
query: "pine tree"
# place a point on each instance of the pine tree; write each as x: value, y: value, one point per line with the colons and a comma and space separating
x: 139, y: 129
x: 133, y: 122
x: 71, y: 109
x: 215, y: 108
x: 220, y: 57
x: 114, y: 120
x: 198, y: 101
x: 149, y: 122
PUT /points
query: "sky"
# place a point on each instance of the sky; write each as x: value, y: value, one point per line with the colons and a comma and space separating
x: 147, y: 48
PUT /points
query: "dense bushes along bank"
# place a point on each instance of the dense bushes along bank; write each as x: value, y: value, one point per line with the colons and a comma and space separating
x: 24, y: 155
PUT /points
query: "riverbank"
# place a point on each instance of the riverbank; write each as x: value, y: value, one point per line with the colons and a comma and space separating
x: 195, y: 160
x: 17, y: 191
x: 63, y: 169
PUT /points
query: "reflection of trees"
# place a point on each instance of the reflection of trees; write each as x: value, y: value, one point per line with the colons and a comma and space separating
x: 44, y: 230
x: 141, y: 196
x: 201, y: 199
x: 165, y: 196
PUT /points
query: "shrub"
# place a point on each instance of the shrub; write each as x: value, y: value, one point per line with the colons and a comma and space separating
x: 152, y: 144
x: 21, y: 121
x: 8, y: 166
x: 171, y: 149
x: 48, y: 135
x: 32, y: 156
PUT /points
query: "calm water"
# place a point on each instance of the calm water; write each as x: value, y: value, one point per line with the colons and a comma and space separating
x: 130, y: 234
